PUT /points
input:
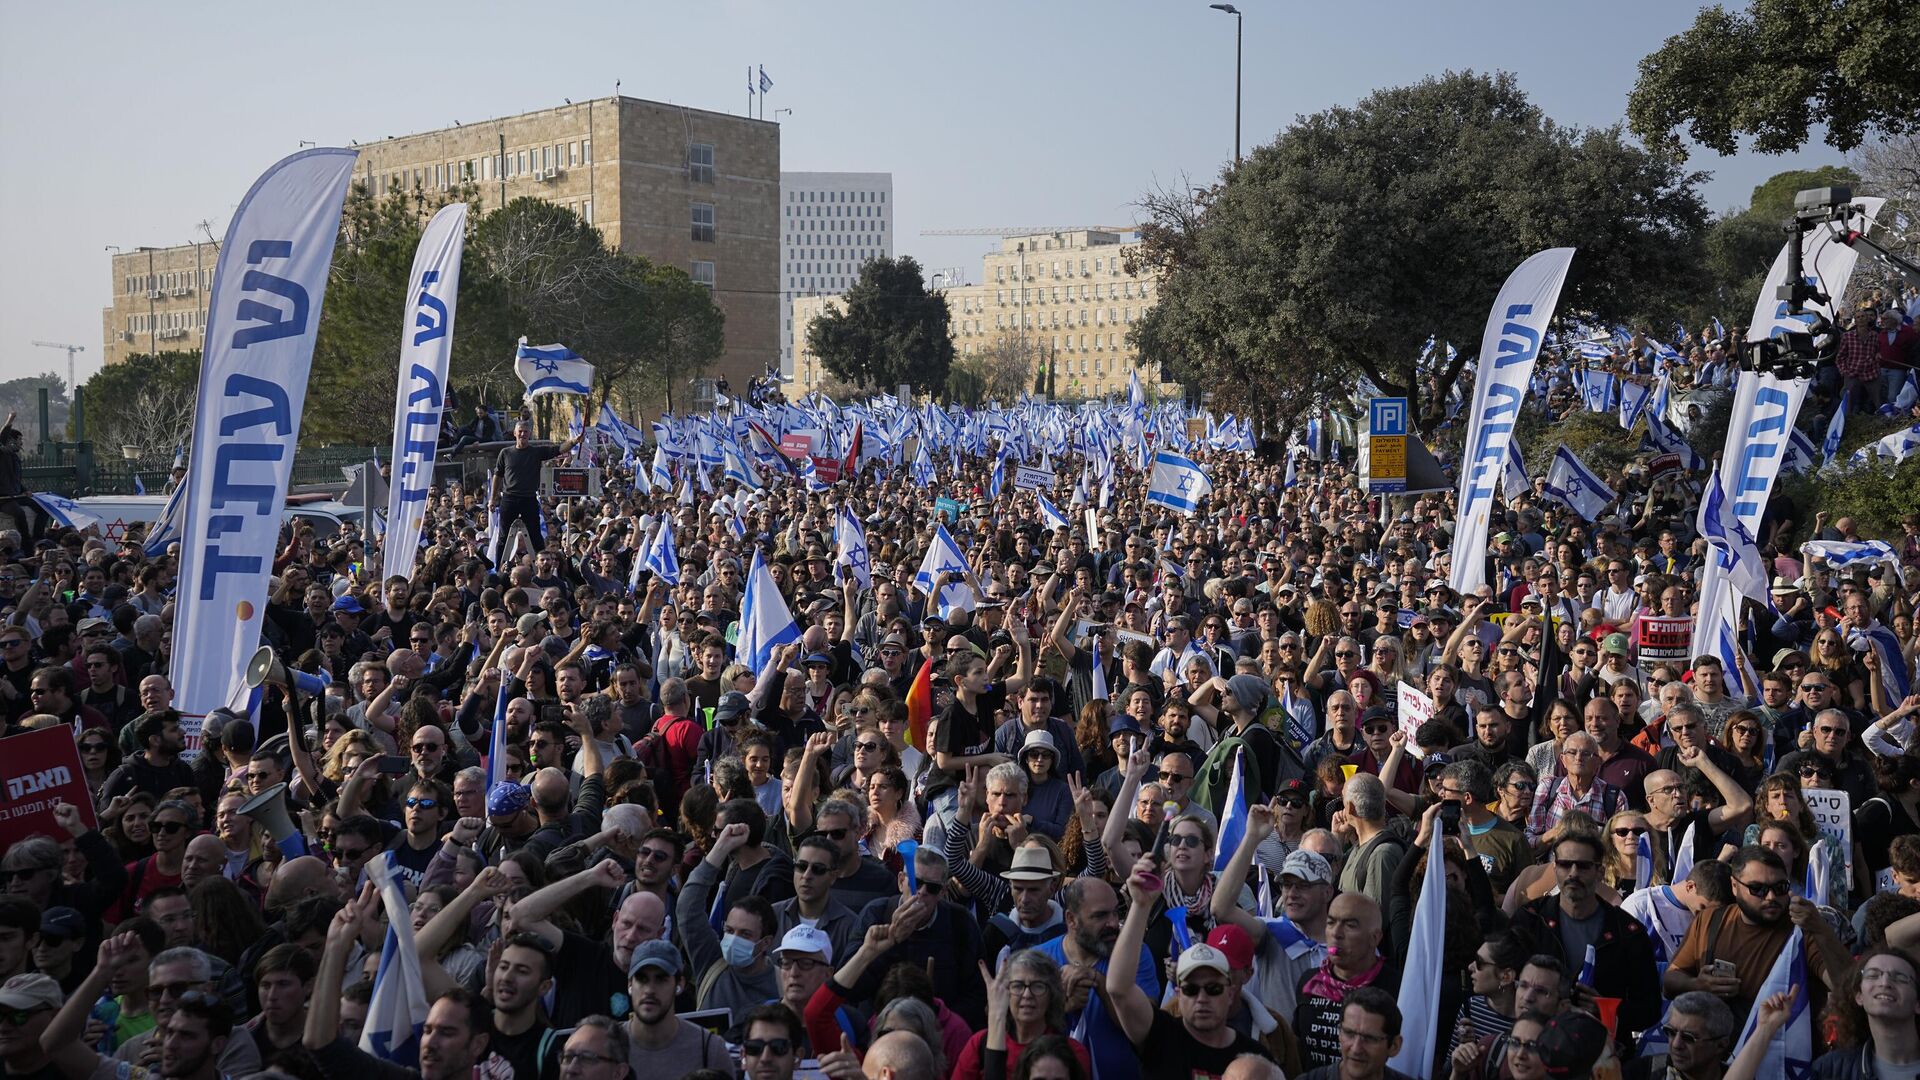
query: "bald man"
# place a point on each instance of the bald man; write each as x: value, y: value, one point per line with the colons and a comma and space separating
x: 205, y: 857
x: 898, y: 1055
x: 1253, y: 1067
x: 298, y: 879
x: 1353, y: 958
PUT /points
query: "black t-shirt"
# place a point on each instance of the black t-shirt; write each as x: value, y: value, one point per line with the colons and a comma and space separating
x: 586, y: 981
x: 705, y: 694
x: 1172, y: 1053
x: 521, y: 469
x: 522, y: 1051
x: 1316, y: 1020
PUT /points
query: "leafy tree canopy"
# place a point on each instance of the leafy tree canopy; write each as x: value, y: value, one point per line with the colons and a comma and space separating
x: 889, y: 330
x: 1334, y: 251
x: 1773, y: 70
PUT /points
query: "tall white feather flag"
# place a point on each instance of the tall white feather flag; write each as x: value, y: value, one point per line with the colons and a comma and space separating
x: 1423, y: 974
x: 399, y: 1006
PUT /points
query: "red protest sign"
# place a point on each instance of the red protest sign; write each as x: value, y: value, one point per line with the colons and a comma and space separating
x: 826, y: 469
x: 1665, y: 639
x: 796, y: 446
x: 41, y: 769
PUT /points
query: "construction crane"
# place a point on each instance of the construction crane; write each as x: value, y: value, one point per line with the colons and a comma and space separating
x: 1029, y: 230
x: 71, y: 349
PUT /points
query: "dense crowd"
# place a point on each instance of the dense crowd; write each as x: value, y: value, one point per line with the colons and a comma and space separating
x: 1140, y: 803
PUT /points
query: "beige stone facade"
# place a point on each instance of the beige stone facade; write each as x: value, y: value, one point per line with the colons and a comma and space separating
x: 682, y: 187
x: 1068, y: 292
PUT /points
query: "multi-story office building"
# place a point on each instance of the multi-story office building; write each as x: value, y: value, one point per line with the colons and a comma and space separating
x: 682, y: 187
x: 830, y: 223
x: 1068, y: 295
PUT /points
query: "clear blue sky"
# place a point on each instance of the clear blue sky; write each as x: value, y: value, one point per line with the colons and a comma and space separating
x: 118, y: 128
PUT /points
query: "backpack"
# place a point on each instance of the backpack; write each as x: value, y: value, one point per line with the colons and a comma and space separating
x: 1215, y: 775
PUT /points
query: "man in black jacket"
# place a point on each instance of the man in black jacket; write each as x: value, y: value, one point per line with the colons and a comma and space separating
x: 951, y: 940
x: 1567, y: 924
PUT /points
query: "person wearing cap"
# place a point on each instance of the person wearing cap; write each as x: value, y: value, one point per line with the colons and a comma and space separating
x: 28, y: 1003
x: 355, y: 643
x: 1199, y: 1040
x: 805, y: 959
x: 732, y: 719
x: 1049, y: 801
x: 1036, y: 716
x: 1294, y: 944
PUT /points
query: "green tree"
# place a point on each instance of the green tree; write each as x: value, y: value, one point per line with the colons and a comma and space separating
x: 1771, y: 71
x: 22, y: 397
x: 890, y: 330
x: 1334, y: 251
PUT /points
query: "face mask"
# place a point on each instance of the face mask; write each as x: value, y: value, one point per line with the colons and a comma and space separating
x: 736, y: 950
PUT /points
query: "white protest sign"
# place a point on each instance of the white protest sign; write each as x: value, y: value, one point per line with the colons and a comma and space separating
x: 1030, y: 476
x: 1833, y: 814
x: 1416, y: 708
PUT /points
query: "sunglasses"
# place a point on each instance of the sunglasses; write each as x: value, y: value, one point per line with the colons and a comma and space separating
x: 1576, y: 865
x: 94, y: 748
x: 1184, y: 840
x: 1626, y: 831
x: 1763, y: 889
x: 352, y: 854
x: 428, y: 747
x: 1171, y: 774
x: 756, y: 1047
x: 23, y: 872
x: 169, y: 827
x: 835, y: 835
x: 21, y: 1017
x: 1675, y: 1035
x: 1196, y: 989
x: 415, y: 802
x: 654, y: 854
x: 1292, y: 804
x: 812, y: 869
x: 867, y: 746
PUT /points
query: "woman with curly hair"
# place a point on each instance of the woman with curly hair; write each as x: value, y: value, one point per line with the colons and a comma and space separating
x: 1093, y: 739
x: 1778, y: 801
x: 892, y: 818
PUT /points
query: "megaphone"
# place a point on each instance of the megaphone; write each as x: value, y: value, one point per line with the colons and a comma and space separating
x: 265, y: 667
x: 269, y: 809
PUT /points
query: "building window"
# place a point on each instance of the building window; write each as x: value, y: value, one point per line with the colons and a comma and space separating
x: 586, y: 151
x: 703, y: 274
x: 588, y: 206
x: 703, y: 221
x: 700, y: 163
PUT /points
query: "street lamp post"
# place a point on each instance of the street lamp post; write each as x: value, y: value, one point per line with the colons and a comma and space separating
x: 1238, y: 25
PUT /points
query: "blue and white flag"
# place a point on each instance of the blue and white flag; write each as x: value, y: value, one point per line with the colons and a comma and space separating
x: 923, y: 474
x: 1893, y: 665
x: 173, y: 519
x: 426, y: 343
x: 1668, y: 441
x: 661, y: 471
x: 945, y: 557
x: 766, y: 83
x: 1800, y: 453
x: 1293, y: 473
x: 1683, y: 859
x: 1819, y: 874
x: 765, y: 622
x: 850, y: 547
x: 139, y: 485
x: 399, y: 1007
x: 998, y: 480
x: 1570, y: 481
x: 1515, y: 482
x: 738, y: 468
x: 1508, y: 350
x: 1634, y: 397
x: 1736, y: 553
x: 1642, y: 863
x: 1234, y: 815
x: 1177, y: 482
x: 1136, y: 397
x: 263, y: 314
x: 659, y: 556
x: 1424, y: 972
x: 1895, y: 448
x: 1050, y: 515
x: 1790, y: 1051
x: 1836, y: 427
x: 1597, y: 390
x: 1851, y: 555
x: 64, y: 511
x: 1097, y: 677
x: 551, y: 369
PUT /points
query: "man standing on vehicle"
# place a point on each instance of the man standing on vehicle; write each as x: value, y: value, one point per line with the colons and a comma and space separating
x: 516, y: 491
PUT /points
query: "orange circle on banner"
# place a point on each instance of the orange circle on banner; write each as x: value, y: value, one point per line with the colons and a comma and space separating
x: 244, y: 610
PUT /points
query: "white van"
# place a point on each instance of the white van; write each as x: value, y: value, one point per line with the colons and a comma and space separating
x: 116, y: 512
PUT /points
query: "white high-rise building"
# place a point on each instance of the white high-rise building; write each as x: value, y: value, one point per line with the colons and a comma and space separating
x: 830, y: 223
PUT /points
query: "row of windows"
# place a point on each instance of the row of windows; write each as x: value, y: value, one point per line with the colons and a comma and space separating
x: 1111, y: 267
x: 861, y: 254
x: 833, y: 212
x: 167, y: 282
x: 836, y: 196
x: 829, y: 239
x: 860, y: 226
x: 818, y: 284
x: 1005, y: 297
x: 1102, y: 317
x: 532, y: 161
x: 165, y: 320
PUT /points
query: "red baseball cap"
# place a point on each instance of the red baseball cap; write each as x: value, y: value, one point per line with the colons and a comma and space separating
x: 1235, y: 943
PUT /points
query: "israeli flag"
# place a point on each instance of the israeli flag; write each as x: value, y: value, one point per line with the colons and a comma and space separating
x: 1233, y: 813
x: 851, y: 547
x: 736, y: 527
x: 1790, y: 1051
x: 1896, y: 447
x: 945, y: 557
x: 1893, y: 665
x: 1097, y: 678
x: 1850, y: 555
x: 1136, y: 397
x: 660, y: 471
x: 65, y: 511
x: 1642, y: 863
x: 1050, y: 515
x: 1177, y: 482
x: 1799, y: 452
x: 1683, y: 859
x: 551, y: 369
x: 1423, y: 973
x: 998, y: 480
x: 1909, y: 393
x: 923, y: 473
x: 1634, y: 397
x: 1570, y: 481
x: 1293, y: 473
x: 1515, y: 482
x: 1668, y: 441
x: 1719, y: 332
x: 1739, y: 556
x: 1597, y: 389
x: 659, y: 557
x: 765, y: 622
x: 139, y: 485
x: 399, y: 1007
x: 1836, y: 427
x: 738, y: 469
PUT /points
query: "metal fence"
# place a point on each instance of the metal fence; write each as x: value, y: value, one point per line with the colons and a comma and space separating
x: 76, y: 469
